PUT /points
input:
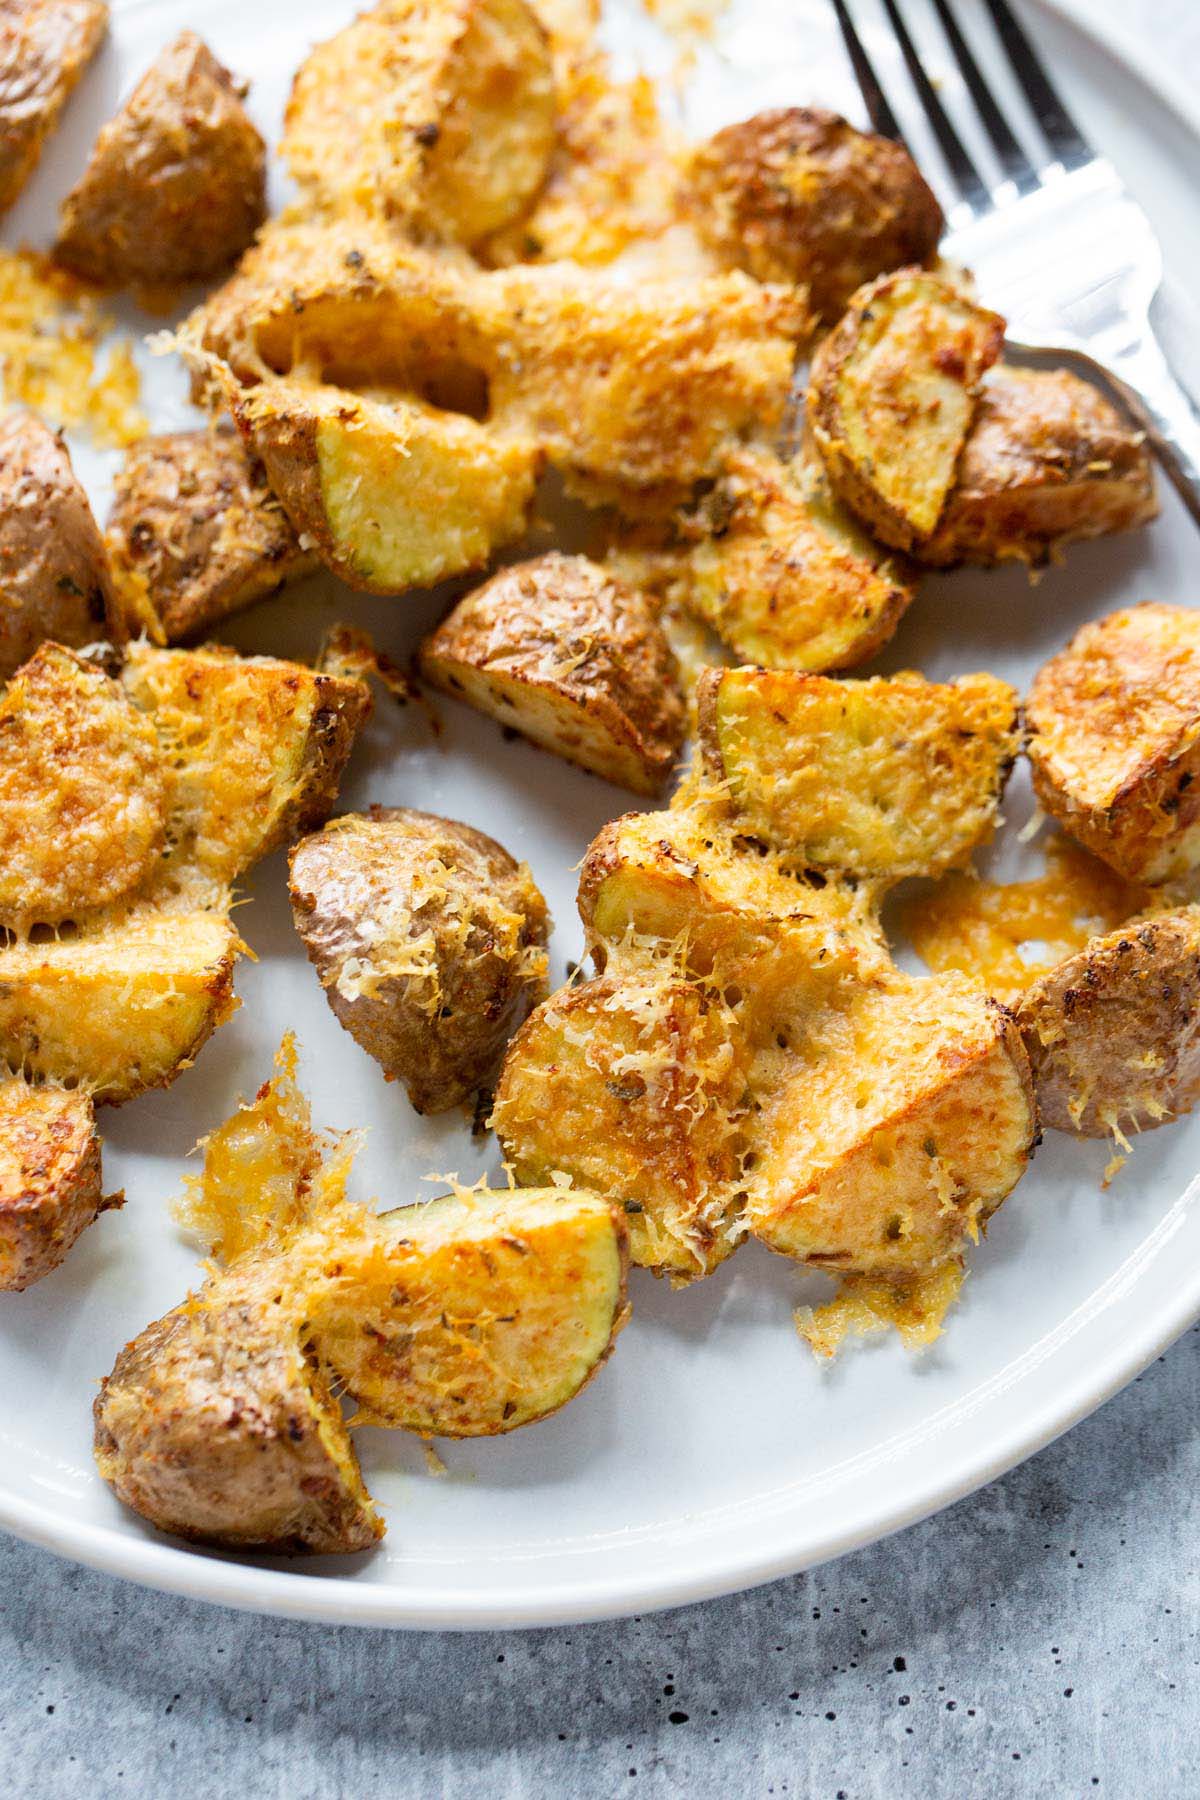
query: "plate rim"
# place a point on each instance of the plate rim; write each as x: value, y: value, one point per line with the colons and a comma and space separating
x: 195, y: 1574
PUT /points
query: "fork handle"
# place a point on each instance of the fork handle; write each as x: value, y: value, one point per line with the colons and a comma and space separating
x: 1142, y: 381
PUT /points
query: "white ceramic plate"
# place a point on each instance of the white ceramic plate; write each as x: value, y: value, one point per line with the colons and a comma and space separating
x: 712, y: 1452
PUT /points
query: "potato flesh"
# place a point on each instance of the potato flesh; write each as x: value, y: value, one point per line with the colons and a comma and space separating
x: 443, y: 115
x: 82, y: 792
x: 893, y: 397
x: 49, y: 1178
x: 787, y: 579
x: 121, y: 1007
x: 255, y: 747
x: 482, y: 1311
x: 1114, y: 722
x: 888, y: 777
x: 914, y: 1110
x: 412, y: 496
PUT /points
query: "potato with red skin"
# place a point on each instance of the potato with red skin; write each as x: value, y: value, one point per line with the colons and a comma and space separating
x: 49, y: 1178
x: 176, y: 184
x: 430, y: 941
x: 45, y: 46
x: 575, y: 660
x: 54, y: 574
x: 796, y: 194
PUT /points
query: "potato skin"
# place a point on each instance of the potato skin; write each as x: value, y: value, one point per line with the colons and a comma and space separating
x: 175, y: 187
x: 54, y: 575
x: 49, y: 1178
x: 213, y: 1426
x: 1113, y: 1033
x: 798, y: 195
x: 560, y: 650
x: 1047, y: 461
x: 892, y: 397
x: 1114, y: 739
x: 430, y: 942
x: 45, y: 46
x: 196, y: 530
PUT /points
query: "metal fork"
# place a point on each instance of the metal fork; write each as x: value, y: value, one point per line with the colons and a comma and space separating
x: 1059, y: 247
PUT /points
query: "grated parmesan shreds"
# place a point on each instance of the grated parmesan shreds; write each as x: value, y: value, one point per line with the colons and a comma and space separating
x: 51, y: 331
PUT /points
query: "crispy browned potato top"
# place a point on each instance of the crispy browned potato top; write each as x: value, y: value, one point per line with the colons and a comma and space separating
x: 175, y: 187
x: 797, y: 194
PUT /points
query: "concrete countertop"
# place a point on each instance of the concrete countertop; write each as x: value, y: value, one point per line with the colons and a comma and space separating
x: 1041, y: 1637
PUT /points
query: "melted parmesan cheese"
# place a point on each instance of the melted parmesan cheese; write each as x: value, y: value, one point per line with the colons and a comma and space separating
x: 50, y: 331
x: 865, y: 1305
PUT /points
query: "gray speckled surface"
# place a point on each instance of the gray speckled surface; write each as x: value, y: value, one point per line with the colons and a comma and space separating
x: 1039, y: 1638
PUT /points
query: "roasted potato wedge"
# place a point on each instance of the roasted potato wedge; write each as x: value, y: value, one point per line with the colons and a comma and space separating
x: 798, y: 195
x: 442, y: 116
x: 573, y: 659
x: 889, y: 777
x: 634, y: 1084
x: 45, y: 46
x: 1114, y: 740
x: 1113, y: 1033
x: 217, y: 1426
x: 391, y: 496
x: 476, y: 1313
x: 1047, y: 461
x: 886, y: 1141
x: 784, y: 574
x: 49, y: 1178
x: 195, y: 533
x: 430, y: 941
x: 255, y: 748
x: 83, y: 792
x: 750, y: 922
x: 893, y: 396
x: 175, y: 187
x: 54, y: 576
x: 121, y: 1007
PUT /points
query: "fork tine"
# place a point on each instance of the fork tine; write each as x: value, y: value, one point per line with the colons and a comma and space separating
x: 1016, y: 165
x: 970, y: 183
x: 882, y: 118
x: 1061, y: 132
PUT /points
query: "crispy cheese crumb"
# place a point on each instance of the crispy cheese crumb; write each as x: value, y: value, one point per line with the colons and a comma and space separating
x: 51, y: 329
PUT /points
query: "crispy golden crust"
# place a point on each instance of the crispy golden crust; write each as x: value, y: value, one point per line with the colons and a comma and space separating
x: 915, y: 1110
x: 124, y: 1005
x: 1114, y: 723
x: 390, y: 495
x: 577, y: 661
x: 637, y: 385
x: 892, y: 398
x: 633, y: 1084
x: 888, y: 777
x: 1113, y: 1033
x: 783, y: 573
x: 49, y: 1178
x: 441, y: 115
x: 175, y: 187
x: 54, y: 577
x: 430, y: 941
x: 196, y: 531
x: 797, y: 195
x: 215, y: 1426
x: 45, y: 45
x: 82, y: 792
x: 1048, y: 460
x: 255, y: 747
